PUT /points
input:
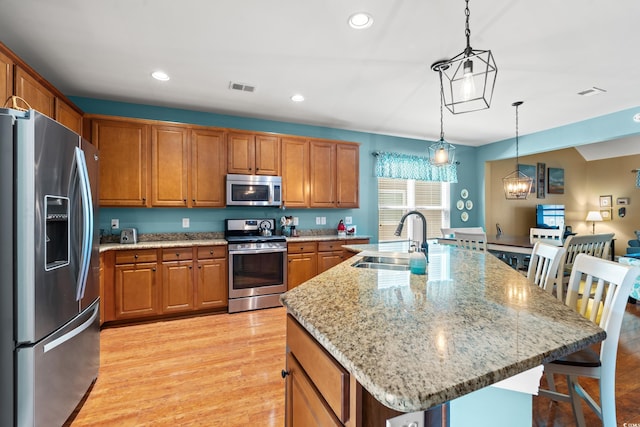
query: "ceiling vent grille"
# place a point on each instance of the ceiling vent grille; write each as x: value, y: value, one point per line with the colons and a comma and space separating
x: 592, y: 91
x: 242, y: 87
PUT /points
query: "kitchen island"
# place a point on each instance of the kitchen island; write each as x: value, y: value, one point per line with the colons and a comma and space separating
x: 415, y: 342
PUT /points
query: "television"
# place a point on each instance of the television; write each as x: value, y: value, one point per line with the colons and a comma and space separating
x: 549, y: 216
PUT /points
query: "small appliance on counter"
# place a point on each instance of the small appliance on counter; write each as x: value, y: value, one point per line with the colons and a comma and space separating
x: 128, y: 235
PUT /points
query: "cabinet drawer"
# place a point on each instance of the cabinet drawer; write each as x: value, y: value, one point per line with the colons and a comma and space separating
x: 143, y: 255
x: 177, y: 254
x: 300, y: 247
x: 331, y: 379
x: 205, y: 252
x: 332, y: 245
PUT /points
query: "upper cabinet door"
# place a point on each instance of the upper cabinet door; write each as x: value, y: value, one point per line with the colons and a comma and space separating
x: 169, y: 166
x: 295, y: 172
x: 69, y: 117
x: 323, y: 174
x: 241, y: 153
x: 124, y: 152
x: 208, y: 168
x: 6, y: 78
x: 35, y: 93
x: 267, y: 151
x: 347, y: 175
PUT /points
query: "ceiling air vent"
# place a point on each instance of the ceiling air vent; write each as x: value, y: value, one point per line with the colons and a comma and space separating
x: 242, y: 87
x: 592, y: 91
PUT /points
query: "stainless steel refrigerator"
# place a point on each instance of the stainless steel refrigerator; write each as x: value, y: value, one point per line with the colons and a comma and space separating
x: 49, y: 270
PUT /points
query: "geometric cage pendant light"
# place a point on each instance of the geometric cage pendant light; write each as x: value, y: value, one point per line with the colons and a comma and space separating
x: 517, y: 185
x: 470, y: 76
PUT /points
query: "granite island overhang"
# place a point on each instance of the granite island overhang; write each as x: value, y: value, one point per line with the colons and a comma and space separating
x: 415, y: 342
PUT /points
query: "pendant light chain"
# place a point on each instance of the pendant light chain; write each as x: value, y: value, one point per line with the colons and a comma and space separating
x: 441, y: 113
x: 517, y: 146
x: 467, y: 31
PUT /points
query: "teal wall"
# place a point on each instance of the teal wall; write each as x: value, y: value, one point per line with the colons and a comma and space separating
x: 153, y: 220
x: 470, y: 170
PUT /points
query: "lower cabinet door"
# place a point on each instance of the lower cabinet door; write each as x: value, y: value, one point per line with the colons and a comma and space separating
x: 136, y: 290
x: 305, y: 406
x: 211, y: 281
x: 177, y: 286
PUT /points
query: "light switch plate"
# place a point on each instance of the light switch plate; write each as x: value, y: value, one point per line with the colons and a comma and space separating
x: 318, y: 220
x: 348, y: 220
x: 115, y: 224
x: 185, y: 222
x: 323, y: 220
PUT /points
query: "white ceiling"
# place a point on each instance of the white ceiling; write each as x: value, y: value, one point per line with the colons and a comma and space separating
x: 376, y: 80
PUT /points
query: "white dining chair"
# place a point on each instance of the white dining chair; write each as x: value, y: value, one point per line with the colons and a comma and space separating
x: 543, y: 265
x: 552, y: 236
x: 611, y: 284
x: 597, y: 245
x: 473, y: 241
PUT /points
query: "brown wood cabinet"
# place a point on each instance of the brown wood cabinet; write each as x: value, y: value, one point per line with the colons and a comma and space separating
x: 124, y: 152
x: 177, y: 280
x: 68, y: 116
x: 330, y: 254
x: 253, y: 154
x: 295, y: 172
x: 211, y: 277
x: 208, y: 168
x: 334, y: 173
x: 169, y: 166
x: 301, y: 263
x: 136, y: 284
x: 6, y: 78
x: 37, y: 95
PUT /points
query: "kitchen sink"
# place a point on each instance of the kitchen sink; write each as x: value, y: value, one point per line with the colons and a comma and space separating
x: 382, y: 263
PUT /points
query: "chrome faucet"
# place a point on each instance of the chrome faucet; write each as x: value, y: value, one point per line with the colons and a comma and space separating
x: 424, y: 247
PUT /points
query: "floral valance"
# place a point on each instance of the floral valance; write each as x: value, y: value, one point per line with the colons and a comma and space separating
x: 405, y: 166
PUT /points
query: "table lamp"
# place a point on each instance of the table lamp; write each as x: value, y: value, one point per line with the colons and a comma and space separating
x: 593, y: 216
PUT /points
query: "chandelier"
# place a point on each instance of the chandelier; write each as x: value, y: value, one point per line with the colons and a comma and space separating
x: 471, y: 77
x: 441, y: 153
x: 517, y: 185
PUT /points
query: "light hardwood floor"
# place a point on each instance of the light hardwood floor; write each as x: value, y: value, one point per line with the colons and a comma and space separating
x: 224, y: 370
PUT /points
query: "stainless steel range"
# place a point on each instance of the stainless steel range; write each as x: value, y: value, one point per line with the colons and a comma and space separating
x: 257, y: 264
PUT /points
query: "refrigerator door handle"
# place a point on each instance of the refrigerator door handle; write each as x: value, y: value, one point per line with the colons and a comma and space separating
x: 71, y: 334
x: 87, y: 215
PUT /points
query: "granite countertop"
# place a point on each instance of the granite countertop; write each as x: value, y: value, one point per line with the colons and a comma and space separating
x: 174, y: 240
x: 415, y: 342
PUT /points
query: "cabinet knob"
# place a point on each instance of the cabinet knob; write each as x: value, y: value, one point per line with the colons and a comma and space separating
x: 136, y: 256
x: 200, y: 267
x: 177, y: 255
x: 211, y: 252
x: 184, y: 200
x: 153, y: 269
x: 190, y: 267
x: 144, y: 200
x: 193, y: 201
x: 284, y: 373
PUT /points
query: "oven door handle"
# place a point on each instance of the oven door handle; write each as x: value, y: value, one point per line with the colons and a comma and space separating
x: 256, y: 251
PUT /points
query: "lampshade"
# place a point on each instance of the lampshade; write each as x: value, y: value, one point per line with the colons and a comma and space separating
x: 471, y: 77
x: 593, y: 216
x: 517, y: 185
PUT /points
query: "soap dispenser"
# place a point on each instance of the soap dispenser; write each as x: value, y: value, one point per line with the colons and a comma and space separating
x: 417, y: 261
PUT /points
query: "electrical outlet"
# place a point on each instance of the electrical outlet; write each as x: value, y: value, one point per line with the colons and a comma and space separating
x: 323, y: 220
x: 185, y: 222
x: 115, y: 224
x: 348, y: 220
x: 318, y: 220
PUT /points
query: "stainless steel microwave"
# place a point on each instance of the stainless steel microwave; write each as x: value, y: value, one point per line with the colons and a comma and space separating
x: 254, y: 190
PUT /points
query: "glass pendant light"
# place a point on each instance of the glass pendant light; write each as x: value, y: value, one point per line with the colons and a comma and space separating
x: 441, y: 153
x: 517, y: 185
x: 471, y: 77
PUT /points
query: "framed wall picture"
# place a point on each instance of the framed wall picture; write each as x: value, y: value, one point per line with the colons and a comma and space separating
x: 606, y: 201
x: 606, y: 214
x: 530, y: 171
x: 555, y: 181
x: 540, y: 177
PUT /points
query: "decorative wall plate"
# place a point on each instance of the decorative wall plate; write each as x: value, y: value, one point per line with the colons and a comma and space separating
x: 464, y: 193
x: 469, y: 205
x: 460, y: 205
x: 464, y: 216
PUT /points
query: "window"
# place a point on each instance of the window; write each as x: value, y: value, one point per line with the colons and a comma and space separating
x: 399, y: 196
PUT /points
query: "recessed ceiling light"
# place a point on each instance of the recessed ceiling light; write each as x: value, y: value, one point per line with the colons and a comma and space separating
x: 360, y: 20
x: 297, y: 98
x: 160, y: 75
